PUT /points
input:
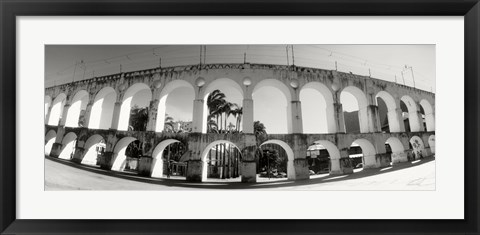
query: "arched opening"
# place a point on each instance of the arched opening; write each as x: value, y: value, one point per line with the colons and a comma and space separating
x: 431, y: 143
x: 169, y: 159
x: 354, y: 104
x: 410, y: 114
x: 362, y: 154
x: 94, y: 148
x: 69, y: 143
x: 387, y: 110
x: 417, y: 147
x: 395, y: 148
x: 318, y: 114
x: 221, y: 159
x: 272, y: 98
x: 319, y: 155
x: 49, y: 140
x: 77, y: 110
x: 288, y: 152
x: 134, y: 109
x: 57, y: 109
x: 101, y: 114
x: 48, y: 103
x: 175, y: 107
x: 429, y: 117
x: 222, y: 111
x: 126, y: 153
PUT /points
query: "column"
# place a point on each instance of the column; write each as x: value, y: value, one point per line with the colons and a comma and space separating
x: 430, y: 121
x: 399, y: 157
x: 332, y: 126
x: 342, y: 165
x: 296, y: 117
x: 145, y: 164
x: 152, y: 115
x: 86, y: 115
x: 247, y: 116
x: 64, y: 115
x: 48, y: 114
x: 373, y: 119
x: 116, y: 115
x: 198, y: 112
x: 415, y: 119
x: 78, y: 155
x: 105, y: 160
x: 194, y: 170
x: 248, y: 167
x: 339, y: 118
x: 395, y: 120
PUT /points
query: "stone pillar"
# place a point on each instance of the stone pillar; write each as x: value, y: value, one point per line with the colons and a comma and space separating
x: 415, y: 120
x: 86, y: 115
x: 116, y: 115
x: 332, y: 125
x: 249, y: 165
x: 197, y: 122
x: 56, y: 150
x: 339, y: 118
x: 49, y: 111
x: 399, y: 157
x: 430, y: 120
x: 247, y: 116
x: 296, y: 117
x: 64, y: 115
x: 373, y: 119
x: 105, y: 160
x: 152, y: 115
x: 301, y: 169
x: 376, y: 161
x: 395, y: 120
x: 145, y: 166
x: 194, y: 170
x: 341, y: 166
x: 78, y: 155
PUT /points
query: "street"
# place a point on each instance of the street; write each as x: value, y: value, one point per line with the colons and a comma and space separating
x: 416, y: 175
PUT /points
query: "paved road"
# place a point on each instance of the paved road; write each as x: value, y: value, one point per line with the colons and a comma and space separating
x: 418, y: 175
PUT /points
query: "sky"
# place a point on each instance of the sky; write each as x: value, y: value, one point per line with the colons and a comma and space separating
x: 67, y: 63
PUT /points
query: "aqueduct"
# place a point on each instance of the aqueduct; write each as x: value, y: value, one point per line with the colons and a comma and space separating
x: 82, y: 113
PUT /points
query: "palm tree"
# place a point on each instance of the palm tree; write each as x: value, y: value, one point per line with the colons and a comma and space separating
x: 259, y: 128
x: 169, y: 124
x: 237, y: 113
x: 215, y: 101
x: 138, y: 118
x: 212, y: 126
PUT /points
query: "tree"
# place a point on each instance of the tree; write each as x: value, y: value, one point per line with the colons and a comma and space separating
x: 134, y: 149
x: 259, y: 128
x: 138, y: 118
x: 270, y: 160
x: 215, y: 101
x: 169, y: 124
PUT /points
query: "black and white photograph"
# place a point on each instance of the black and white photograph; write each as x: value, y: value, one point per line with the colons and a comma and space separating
x: 240, y: 117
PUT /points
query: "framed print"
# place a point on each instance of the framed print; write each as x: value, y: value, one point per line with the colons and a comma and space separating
x: 241, y: 117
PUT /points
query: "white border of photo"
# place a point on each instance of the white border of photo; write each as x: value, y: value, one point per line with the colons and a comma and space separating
x: 446, y: 202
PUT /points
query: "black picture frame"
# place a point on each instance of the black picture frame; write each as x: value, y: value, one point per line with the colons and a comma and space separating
x: 470, y: 9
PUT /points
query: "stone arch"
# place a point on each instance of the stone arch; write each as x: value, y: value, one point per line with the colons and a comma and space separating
x: 329, y: 111
x: 331, y: 148
x: 78, y: 104
x: 162, y: 100
x: 157, y: 155
x: 413, y: 117
x: 431, y: 143
x: 48, y: 103
x: 429, y: 114
x: 213, y: 85
x: 49, y: 140
x: 119, y: 156
x: 392, y: 115
x: 101, y: 114
x: 362, y: 102
x: 90, y: 156
x: 418, y: 148
x: 68, y: 146
x: 126, y: 106
x: 205, y: 153
x: 290, y: 156
x: 56, y: 111
x: 287, y: 94
x: 368, y: 152
x: 398, y: 150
